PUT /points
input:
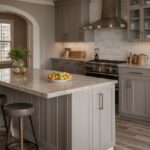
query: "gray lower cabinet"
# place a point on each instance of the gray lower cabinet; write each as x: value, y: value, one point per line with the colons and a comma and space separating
x: 71, y: 66
x: 134, y: 94
x: 57, y: 65
x: 103, y: 118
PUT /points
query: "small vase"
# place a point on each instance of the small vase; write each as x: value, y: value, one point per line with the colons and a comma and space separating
x: 18, y: 65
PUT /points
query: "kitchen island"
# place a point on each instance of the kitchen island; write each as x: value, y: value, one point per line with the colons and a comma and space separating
x: 76, y: 115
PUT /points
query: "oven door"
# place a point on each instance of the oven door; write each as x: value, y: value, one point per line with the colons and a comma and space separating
x: 101, y: 75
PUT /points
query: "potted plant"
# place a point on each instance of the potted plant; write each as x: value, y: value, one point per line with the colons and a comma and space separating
x: 18, y: 55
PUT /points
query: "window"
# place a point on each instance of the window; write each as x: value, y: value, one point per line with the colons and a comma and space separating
x: 5, y: 39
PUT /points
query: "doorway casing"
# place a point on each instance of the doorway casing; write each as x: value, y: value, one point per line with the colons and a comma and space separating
x: 33, y: 40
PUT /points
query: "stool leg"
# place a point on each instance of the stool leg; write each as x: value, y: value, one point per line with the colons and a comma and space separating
x: 33, y: 131
x: 21, y: 132
x: 9, y: 132
x: 4, y: 117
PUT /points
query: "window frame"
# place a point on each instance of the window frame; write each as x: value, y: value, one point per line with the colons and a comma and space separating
x: 11, y: 22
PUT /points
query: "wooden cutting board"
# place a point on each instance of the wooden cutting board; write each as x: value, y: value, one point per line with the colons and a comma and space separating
x: 77, y: 54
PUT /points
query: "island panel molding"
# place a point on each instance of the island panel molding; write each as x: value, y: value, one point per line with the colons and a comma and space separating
x: 67, y: 122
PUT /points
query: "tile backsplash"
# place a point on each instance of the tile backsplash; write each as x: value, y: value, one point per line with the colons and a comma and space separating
x: 113, y: 44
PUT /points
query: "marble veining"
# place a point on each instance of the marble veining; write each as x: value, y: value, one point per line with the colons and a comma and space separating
x: 35, y: 82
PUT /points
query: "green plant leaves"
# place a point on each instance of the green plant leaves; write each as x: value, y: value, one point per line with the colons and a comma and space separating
x: 18, y: 54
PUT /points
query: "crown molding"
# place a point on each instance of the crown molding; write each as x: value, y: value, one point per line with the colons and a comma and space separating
x: 42, y: 2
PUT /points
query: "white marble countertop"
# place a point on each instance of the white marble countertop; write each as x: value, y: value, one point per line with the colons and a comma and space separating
x: 35, y: 82
x: 147, y: 66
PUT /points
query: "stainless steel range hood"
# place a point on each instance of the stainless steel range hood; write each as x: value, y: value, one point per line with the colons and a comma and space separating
x: 110, y: 17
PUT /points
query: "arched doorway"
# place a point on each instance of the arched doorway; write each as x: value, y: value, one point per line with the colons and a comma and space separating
x: 33, y: 33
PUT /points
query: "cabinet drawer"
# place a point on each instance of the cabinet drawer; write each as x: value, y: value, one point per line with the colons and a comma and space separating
x: 134, y: 72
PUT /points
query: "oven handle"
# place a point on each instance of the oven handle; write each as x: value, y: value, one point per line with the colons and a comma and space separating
x: 101, y: 73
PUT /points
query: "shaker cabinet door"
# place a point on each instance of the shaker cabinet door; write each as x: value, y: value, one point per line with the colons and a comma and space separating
x: 57, y: 65
x: 134, y: 96
x: 103, y: 118
x: 70, y: 17
x: 68, y: 66
x: 140, y: 97
x: 78, y: 68
x: 125, y: 94
x: 61, y: 23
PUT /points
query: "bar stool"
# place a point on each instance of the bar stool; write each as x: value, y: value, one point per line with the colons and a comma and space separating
x: 20, y: 110
x: 3, y: 101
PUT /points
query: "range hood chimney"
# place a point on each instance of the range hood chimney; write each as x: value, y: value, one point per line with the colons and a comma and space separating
x: 110, y: 17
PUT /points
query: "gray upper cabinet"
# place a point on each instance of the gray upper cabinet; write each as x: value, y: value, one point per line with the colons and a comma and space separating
x: 70, y: 16
x: 134, y: 92
x: 139, y: 20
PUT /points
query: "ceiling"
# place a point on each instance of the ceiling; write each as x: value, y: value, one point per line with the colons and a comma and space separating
x: 43, y: 2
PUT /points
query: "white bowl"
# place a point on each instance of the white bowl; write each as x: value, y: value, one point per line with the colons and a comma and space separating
x: 59, y: 81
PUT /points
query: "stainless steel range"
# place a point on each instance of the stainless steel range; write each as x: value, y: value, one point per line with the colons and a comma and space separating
x: 104, y: 69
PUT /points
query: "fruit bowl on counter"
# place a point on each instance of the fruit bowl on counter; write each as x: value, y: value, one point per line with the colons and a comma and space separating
x: 59, y: 77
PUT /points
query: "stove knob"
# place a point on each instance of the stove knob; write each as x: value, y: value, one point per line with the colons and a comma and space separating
x: 100, y: 69
x: 110, y: 69
x: 97, y: 68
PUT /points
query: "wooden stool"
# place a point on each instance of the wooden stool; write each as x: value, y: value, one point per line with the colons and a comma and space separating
x: 20, y: 110
x: 3, y: 101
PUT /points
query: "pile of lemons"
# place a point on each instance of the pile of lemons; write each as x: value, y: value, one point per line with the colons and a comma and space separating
x: 59, y: 76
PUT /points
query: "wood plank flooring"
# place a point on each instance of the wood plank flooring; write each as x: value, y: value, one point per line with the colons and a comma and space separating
x: 132, y: 134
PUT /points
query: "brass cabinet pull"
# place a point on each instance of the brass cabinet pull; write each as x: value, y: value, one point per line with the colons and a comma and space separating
x: 101, y: 103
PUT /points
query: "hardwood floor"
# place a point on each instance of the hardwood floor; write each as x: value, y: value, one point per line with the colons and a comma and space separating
x: 132, y: 134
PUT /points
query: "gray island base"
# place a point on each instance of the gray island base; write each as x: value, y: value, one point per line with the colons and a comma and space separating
x: 78, y: 115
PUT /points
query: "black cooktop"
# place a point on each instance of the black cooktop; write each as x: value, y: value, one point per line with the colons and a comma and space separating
x: 107, y: 61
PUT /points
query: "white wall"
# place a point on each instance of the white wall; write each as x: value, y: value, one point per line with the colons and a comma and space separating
x: 44, y: 15
x: 113, y: 44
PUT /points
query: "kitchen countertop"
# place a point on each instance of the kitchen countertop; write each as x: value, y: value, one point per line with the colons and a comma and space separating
x: 147, y: 66
x: 35, y: 82
x: 73, y: 59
